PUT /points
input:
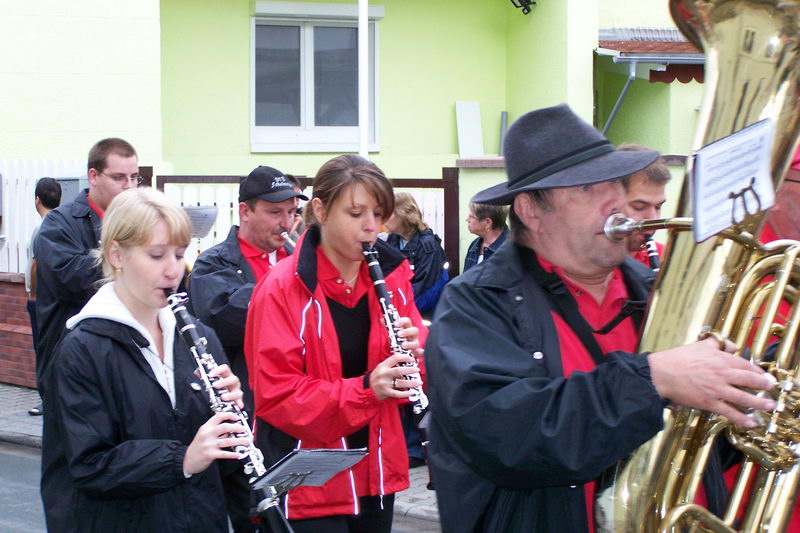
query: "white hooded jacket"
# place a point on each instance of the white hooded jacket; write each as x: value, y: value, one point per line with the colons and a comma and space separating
x: 106, y: 304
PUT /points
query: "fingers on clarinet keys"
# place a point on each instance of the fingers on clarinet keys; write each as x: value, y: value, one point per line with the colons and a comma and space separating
x: 403, y: 383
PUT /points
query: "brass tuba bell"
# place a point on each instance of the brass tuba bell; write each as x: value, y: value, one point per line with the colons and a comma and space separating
x: 728, y: 286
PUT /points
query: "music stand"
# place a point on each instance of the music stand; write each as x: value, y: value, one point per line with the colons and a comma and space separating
x: 299, y: 468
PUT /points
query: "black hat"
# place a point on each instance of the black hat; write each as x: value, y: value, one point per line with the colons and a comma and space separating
x: 551, y: 148
x: 268, y: 184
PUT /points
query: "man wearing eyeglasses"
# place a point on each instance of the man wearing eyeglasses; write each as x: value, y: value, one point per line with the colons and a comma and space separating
x: 66, y: 271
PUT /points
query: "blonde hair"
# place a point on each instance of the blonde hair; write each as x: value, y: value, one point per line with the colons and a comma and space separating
x: 407, y: 214
x: 131, y: 217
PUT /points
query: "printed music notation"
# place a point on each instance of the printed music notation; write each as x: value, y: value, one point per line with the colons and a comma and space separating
x: 732, y: 179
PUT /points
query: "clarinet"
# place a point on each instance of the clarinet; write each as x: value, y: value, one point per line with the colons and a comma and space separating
x: 652, y: 253
x: 268, y: 506
x: 418, y: 399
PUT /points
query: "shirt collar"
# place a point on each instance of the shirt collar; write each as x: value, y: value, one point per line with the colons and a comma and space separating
x: 100, y: 212
x: 326, y: 270
x: 248, y: 250
x: 616, y: 289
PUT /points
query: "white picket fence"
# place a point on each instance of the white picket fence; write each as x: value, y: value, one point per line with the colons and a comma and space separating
x: 18, y: 179
x: 225, y: 197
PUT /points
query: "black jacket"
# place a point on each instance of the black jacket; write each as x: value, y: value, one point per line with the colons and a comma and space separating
x: 220, y: 287
x: 425, y: 253
x: 65, y: 273
x: 512, y: 441
x: 113, y: 447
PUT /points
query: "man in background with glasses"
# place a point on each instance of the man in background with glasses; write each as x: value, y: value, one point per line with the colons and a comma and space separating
x: 66, y: 271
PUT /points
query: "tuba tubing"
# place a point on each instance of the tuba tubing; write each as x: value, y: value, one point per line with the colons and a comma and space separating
x: 728, y: 286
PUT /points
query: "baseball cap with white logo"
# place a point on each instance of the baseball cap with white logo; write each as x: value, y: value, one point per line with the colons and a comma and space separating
x: 268, y: 184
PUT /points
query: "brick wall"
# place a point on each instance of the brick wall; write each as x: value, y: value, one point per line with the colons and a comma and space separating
x: 17, y: 359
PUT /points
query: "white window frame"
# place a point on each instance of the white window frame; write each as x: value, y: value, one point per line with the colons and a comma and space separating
x: 307, y: 138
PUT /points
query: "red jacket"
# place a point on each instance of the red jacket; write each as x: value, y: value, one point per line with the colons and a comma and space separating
x: 293, y: 358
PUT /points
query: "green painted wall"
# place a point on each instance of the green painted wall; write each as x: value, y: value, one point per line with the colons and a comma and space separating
x: 644, y: 115
x: 550, y: 57
x: 662, y: 116
x: 73, y: 73
x: 431, y: 54
x: 685, y: 100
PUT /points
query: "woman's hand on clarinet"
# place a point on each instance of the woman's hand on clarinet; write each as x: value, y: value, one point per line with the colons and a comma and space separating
x: 388, y: 380
x: 229, y: 380
x: 409, y: 333
x: 212, y: 441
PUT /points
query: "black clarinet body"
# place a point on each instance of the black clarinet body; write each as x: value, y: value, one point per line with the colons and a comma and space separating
x: 268, y: 506
x: 652, y: 253
x: 418, y: 400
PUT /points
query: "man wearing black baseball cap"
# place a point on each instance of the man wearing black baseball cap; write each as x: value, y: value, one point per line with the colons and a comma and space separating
x: 223, y: 278
x: 532, y: 372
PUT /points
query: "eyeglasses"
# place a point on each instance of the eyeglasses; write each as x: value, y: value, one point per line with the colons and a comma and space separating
x: 119, y: 178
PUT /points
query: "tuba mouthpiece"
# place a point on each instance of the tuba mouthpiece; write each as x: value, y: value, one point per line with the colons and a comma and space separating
x: 618, y: 226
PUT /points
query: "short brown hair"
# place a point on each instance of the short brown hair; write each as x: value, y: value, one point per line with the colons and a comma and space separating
x: 496, y: 213
x: 345, y: 171
x: 407, y: 214
x: 657, y: 173
x: 99, y: 153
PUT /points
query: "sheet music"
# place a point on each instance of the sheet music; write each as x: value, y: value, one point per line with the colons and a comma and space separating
x: 732, y: 178
x: 202, y: 218
x: 310, y: 467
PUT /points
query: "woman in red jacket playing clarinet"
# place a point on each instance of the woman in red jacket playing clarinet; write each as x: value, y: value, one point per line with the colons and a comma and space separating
x: 318, y: 354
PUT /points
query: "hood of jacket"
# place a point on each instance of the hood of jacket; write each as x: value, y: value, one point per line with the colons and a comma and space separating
x: 106, y: 304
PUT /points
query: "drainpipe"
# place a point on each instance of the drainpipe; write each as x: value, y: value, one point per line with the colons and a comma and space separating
x: 628, y: 82
x: 363, y: 79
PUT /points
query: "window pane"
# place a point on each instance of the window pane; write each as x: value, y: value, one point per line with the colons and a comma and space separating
x: 277, y: 75
x: 335, y: 76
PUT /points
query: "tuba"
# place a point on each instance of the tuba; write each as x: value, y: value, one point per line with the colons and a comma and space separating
x: 728, y: 287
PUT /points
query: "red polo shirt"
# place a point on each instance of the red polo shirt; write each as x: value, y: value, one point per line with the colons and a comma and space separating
x: 259, y: 260
x: 100, y: 212
x: 574, y: 356
x: 334, y: 287
x: 624, y: 336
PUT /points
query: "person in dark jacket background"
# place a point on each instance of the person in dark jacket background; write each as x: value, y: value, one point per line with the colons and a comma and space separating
x: 423, y: 249
x: 130, y: 442
x: 66, y: 272
x: 527, y: 412
x: 222, y: 282
x: 488, y: 222
x: 47, y: 198
x: 223, y: 276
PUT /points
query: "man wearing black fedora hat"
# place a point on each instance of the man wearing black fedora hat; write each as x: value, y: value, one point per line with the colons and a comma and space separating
x: 535, y: 387
x: 223, y: 278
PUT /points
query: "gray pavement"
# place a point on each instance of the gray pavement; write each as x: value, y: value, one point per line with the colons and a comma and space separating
x: 18, y: 427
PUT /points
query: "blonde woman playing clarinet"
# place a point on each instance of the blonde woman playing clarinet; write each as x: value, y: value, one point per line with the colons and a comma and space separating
x: 130, y: 441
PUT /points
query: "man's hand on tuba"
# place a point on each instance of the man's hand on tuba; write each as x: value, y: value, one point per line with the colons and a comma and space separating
x: 703, y: 376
